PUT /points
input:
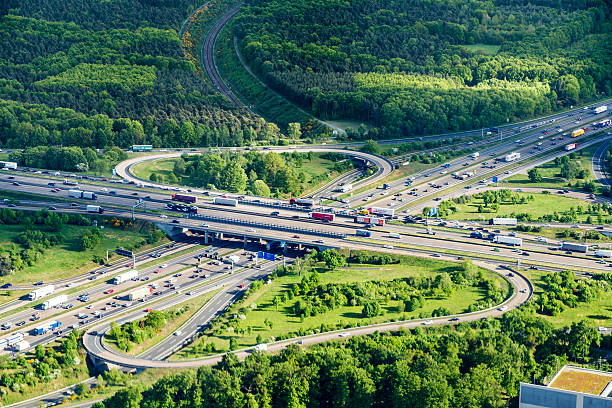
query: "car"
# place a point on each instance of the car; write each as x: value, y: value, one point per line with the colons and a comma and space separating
x: 242, y: 286
x: 503, y: 308
x: 178, y: 333
x: 21, y: 323
x: 296, y: 236
x: 250, y: 230
x: 319, y: 241
x: 147, y: 310
x: 428, y: 322
x: 128, y: 304
x: 163, y: 216
x: 162, y: 266
x: 453, y: 319
x: 189, y: 293
x: 388, y: 246
x: 204, y: 225
x: 523, y: 291
x: 16, y: 183
x: 11, y: 178
x: 89, y: 307
x: 345, y: 334
x: 108, y: 292
x: 6, y: 285
x: 274, y: 213
x: 74, y: 205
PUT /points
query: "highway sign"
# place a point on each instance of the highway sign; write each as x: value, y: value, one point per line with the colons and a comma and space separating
x: 433, y: 211
x: 114, y: 172
x: 495, y: 179
x: 265, y: 255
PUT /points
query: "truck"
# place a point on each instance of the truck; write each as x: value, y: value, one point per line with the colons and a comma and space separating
x: 369, y: 220
x: 304, y: 202
x: 601, y: 109
x: 125, y: 276
x: 382, y: 211
x: 95, y: 209
x: 577, y: 132
x: 47, y: 327
x: 184, y: 198
x: 502, y: 221
x: 603, y: 253
x: 8, y: 165
x: 70, y: 183
x: 41, y: 292
x: 140, y: 293
x: 82, y: 194
x: 504, y: 239
x: 475, y: 155
x: 232, y: 259
x: 603, y: 123
x: 14, y: 339
x: 56, y: 301
x: 573, y: 247
x: 322, y: 216
x: 232, y: 202
x: 512, y: 157
x: 363, y: 233
x: 571, y: 146
x: 22, y: 345
x: 346, y: 188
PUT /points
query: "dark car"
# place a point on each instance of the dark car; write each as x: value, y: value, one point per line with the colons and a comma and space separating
x: 274, y: 213
x: 52, y: 208
x: 176, y: 221
x: 16, y: 183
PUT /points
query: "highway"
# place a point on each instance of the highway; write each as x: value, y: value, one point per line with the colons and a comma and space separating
x: 598, y: 164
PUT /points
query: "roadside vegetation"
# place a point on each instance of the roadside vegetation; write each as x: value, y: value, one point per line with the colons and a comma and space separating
x: 331, y: 290
x: 262, y: 174
x: 45, y: 246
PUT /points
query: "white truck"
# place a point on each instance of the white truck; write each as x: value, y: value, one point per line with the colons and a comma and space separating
x: 346, y: 188
x: 382, y: 211
x: 475, y: 155
x: 14, y: 339
x: 261, y: 347
x: 512, y: 157
x: 504, y: 239
x: 573, y: 247
x: 503, y: 221
x: 8, y: 165
x: 232, y: 202
x: 41, y: 292
x: 82, y: 194
x: 56, y: 301
x: 140, y: 293
x: 232, y: 259
x: 125, y: 276
x: 603, y: 253
x: 22, y: 345
x: 95, y: 209
x: 601, y: 109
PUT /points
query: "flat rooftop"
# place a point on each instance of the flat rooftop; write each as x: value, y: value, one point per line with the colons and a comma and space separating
x: 582, y: 380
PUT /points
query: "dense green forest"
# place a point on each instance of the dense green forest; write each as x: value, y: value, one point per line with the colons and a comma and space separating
x: 423, y: 66
x: 103, y: 73
x: 471, y: 365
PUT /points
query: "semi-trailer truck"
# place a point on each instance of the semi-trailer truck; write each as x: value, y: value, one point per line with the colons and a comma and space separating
x: 475, y: 155
x: 232, y: 202
x: 47, y: 327
x: 125, y: 276
x: 13, y: 339
x: 390, y: 212
x: 504, y: 239
x: 140, y: 293
x: 8, y: 165
x: 56, y: 301
x: 603, y: 253
x: 322, y: 216
x: 502, y: 221
x: 512, y: 157
x: 573, y: 246
x: 184, y: 198
x: 570, y: 146
x: 369, y: 220
x: 304, y: 202
x: 363, y: 233
x: 82, y: 194
x: 577, y: 132
x: 603, y: 123
x: 95, y: 209
x: 41, y: 292
x: 601, y: 109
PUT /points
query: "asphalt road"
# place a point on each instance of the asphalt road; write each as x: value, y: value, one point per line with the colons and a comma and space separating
x: 598, y: 164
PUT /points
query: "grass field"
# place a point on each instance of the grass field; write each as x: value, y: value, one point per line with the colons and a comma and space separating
x: 485, y: 48
x: 283, y: 321
x: 194, y: 304
x: 598, y: 312
x: 66, y: 259
x: 543, y: 204
x: 144, y: 169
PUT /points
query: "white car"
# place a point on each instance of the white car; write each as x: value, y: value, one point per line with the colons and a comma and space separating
x: 163, y: 216
x: 428, y: 322
x: 345, y: 334
x: 250, y: 230
x: 178, y: 333
x: 388, y: 246
x: 204, y: 225
x: 503, y: 308
x: 163, y: 266
x: 104, y: 189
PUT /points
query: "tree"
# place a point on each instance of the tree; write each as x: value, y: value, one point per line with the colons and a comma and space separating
x: 81, y: 389
x: 260, y: 188
x: 294, y: 130
x: 333, y: 259
x: 370, y: 309
x: 535, y: 176
x: 580, y: 339
x: 233, y: 178
x: 372, y: 147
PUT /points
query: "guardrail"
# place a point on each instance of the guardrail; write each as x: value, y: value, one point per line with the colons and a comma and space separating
x: 267, y: 225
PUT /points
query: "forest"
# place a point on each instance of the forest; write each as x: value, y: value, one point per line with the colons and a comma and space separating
x: 477, y: 364
x: 422, y: 67
x: 110, y: 73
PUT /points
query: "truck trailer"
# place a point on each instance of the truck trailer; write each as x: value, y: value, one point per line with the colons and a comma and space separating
x: 41, y: 292
x: 512, y: 157
x: 322, y: 216
x: 8, y: 165
x: 125, y: 276
x: 88, y: 195
x: 573, y: 247
x: 570, y: 146
x: 503, y: 221
x: 14, y: 339
x: 95, y: 209
x: 304, y: 202
x: 603, y: 253
x: 22, y: 345
x: 184, y: 198
x: 504, y: 239
x: 390, y: 212
x: 140, y: 293
x: 232, y: 202
x: 601, y: 109
x: 56, y: 301
x: 369, y: 220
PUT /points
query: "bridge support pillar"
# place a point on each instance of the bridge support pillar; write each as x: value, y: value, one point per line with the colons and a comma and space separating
x: 285, y: 249
x: 268, y: 246
x: 220, y: 235
x: 300, y: 247
x: 244, y: 242
x: 206, y: 238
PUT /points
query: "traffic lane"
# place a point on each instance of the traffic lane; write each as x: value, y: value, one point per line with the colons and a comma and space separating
x: 598, y: 164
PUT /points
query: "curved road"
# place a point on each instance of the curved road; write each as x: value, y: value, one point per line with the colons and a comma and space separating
x: 598, y: 163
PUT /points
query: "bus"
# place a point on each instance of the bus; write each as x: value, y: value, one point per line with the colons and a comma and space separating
x: 577, y: 132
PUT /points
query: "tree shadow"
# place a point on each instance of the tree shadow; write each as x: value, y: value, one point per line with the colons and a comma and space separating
x: 598, y: 317
x: 352, y: 315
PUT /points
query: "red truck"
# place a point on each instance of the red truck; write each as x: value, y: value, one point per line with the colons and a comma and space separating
x: 321, y: 216
x: 184, y: 198
x: 369, y: 220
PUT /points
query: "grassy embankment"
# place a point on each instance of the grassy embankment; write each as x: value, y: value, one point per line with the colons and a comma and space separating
x: 281, y: 319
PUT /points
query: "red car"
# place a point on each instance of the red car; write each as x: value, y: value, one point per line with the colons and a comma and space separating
x: 158, y: 271
x: 104, y: 179
x: 242, y: 286
x: 296, y: 236
x: 148, y: 310
x: 108, y: 292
